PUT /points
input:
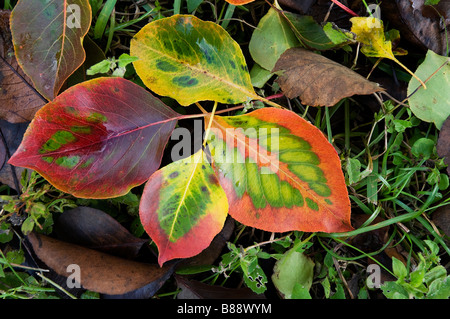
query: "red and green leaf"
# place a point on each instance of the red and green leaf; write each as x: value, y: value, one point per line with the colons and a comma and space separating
x: 183, y: 207
x: 279, y: 172
x: 47, y: 37
x: 98, y: 139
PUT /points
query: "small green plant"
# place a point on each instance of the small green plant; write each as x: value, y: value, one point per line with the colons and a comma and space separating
x: 34, y: 207
x: 428, y: 280
x: 246, y: 261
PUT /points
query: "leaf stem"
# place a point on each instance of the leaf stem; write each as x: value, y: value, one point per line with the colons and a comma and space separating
x: 209, y: 124
x: 410, y: 72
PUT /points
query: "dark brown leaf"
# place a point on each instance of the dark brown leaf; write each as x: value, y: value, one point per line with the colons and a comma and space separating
x: 10, y: 138
x: 93, y: 228
x: 443, y: 143
x: 415, y: 23
x: 19, y: 101
x: 100, y: 272
x: 301, y: 6
x: 192, y: 289
x: 441, y: 218
x: 317, y: 80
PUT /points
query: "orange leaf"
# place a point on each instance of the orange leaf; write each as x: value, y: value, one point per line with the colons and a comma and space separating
x: 279, y: 172
x: 239, y: 2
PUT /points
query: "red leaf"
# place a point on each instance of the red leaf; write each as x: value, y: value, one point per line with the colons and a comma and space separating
x: 98, y: 139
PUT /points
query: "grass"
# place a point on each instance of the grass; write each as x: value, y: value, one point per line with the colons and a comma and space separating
x: 395, y: 184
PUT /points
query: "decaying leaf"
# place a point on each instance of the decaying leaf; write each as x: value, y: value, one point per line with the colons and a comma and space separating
x: 443, y: 143
x: 317, y: 80
x: 370, y: 32
x: 192, y: 289
x: 48, y: 40
x: 12, y: 135
x: 419, y: 24
x: 100, y: 272
x: 93, y: 228
x: 19, y: 102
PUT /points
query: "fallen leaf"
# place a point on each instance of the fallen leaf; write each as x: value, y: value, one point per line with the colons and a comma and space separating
x: 12, y: 135
x: 416, y: 25
x: 210, y: 254
x: 191, y: 60
x: 432, y: 104
x: 441, y: 218
x: 48, y: 41
x: 376, y: 42
x: 98, y: 139
x: 18, y: 98
x: 302, y: 6
x: 279, y: 172
x: 272, y: 37
x: 99, y: 272
x: 239, y: 2
x: 183, y: 207
x: 93, y: 228
x: 192, y: 289
x: 317, y: 80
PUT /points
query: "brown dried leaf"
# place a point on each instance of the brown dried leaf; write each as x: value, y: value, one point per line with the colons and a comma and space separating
x: 317, y: 80
x: 100, y: 272
x: 192, y: 289
x: 443, y: 143
x: 441, y: 218
x: 18, y: 100
x: 93, y: 228
x: 10, y: 138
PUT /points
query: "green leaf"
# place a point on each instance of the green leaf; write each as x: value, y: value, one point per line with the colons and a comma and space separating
x: 6, y: 233
x: 423, y: 148
x: 393, y: 290
x: 191, y: 60
x: 439, y: 289
x: 270, y: 39
x: 293, y: 269
x: 433, y: 104
x: 399, y: 268
x: 435, y: 273
x: 311, y: 34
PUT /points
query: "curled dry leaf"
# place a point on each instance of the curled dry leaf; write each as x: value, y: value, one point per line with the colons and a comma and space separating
x: 317, y: 80
x: 100, y: 272
x: 18, y: 99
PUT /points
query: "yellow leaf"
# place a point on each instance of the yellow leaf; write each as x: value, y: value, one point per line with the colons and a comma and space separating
x: 369, y: 32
